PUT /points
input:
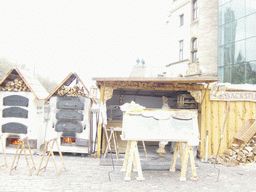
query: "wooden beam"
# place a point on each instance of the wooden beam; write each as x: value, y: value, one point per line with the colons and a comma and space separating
x: 152, y: 85
x: 198, y: 79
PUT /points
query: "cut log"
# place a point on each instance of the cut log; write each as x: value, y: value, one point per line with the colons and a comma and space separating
x: 15, y: 85
x: 70, y: 91
x: 238, y: 153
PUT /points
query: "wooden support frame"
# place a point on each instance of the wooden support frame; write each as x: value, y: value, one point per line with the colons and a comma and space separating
x: 113, y: 137
x: 5, y: 163
x: 20, y: 148
x: 178, y: 148
x: 184, y: 160
x: 132, y: 158
x: 145, y: 150
x: 51, y: 143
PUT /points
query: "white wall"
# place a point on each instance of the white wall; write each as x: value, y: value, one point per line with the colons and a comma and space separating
x: 178, y: 33
x: 176, y: 69
x: 34, y: 122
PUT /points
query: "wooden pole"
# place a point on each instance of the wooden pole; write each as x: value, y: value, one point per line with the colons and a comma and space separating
x: 100, y: 124
x: 206, y: 146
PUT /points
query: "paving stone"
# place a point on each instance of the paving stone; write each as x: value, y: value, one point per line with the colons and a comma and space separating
x: 87, y: 174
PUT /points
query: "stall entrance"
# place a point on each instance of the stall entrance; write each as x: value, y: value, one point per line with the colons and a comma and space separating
x: 149, y: 99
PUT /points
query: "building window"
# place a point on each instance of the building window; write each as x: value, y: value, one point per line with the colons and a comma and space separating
x: 181, y: 50
x: 194, y: 50
x: 182, y: 20
x: 195, y: 9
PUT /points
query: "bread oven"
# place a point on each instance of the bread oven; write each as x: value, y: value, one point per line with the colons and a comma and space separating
x: 21, y: 111
x: 70, y: 117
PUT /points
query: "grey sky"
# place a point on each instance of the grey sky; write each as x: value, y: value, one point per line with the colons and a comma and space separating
x: 92, y: 38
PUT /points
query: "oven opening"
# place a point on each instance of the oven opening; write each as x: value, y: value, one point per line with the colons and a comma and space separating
x: 12, y: 142
x: 68, y: 141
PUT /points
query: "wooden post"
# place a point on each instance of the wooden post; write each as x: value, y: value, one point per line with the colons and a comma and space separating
x: 100, y: 124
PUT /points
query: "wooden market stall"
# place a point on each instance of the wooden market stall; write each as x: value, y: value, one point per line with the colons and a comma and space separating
x: 184, y: 92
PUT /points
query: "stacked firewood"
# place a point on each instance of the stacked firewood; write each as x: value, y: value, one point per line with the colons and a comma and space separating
x: 15, y: 85
x: 237, y: 154
x: 70, y: 91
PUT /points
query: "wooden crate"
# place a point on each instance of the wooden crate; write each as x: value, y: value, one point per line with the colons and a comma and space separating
x: 247, y: 131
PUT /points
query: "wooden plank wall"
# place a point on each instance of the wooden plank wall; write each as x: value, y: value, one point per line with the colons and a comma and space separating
x: 211, y: 117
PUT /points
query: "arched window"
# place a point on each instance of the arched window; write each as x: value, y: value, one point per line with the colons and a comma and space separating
x: 194, y: 49
x: 195, y: 9
x: 181, y: 50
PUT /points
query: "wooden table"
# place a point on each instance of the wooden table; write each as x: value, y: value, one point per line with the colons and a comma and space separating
x: 176, y: 125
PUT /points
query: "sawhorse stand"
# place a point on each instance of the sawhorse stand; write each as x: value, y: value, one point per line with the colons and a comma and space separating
x: 5, y: 163
x: 21, y: 147
x: 51, y: 143
x: 184, y: 160
x: 113, y: 137
x: 132, y: 158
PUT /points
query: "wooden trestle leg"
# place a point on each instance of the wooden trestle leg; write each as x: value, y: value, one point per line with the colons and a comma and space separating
x: 51, y: 143
x: 5, y: 163
x: 21, y: 147
x: 178, y: 148
x: 145, y: 150
x: 113, y: 137
x: 127, y: 151
x: 188, y: 154
x: 184, y: 160
x: 132, y: 158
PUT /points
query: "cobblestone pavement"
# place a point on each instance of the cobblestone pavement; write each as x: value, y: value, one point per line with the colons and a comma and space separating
x: 86, y: 174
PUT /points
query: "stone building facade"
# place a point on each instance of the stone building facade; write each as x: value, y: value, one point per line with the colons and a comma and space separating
x: 194, y: 38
